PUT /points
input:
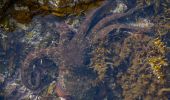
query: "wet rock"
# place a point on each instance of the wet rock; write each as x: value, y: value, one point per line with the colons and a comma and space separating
x: 42, y: 31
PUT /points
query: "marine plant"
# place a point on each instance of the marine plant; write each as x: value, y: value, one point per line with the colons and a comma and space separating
x: 98, y: 61
x: 23, y: 11
x: 157, y: 59
x: 69, y: 54
x: 122, y: 44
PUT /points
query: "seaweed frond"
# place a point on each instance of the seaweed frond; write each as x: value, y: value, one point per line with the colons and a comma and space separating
x: 98, y: 61
x: 157, y: 59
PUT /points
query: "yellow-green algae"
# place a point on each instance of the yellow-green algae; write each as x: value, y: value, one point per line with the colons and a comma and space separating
x: 157, y: 60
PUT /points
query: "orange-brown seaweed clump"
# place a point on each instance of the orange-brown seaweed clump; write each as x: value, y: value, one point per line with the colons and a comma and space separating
x: 62, y: 7
x: 23, y: 10
x: 22, y: 16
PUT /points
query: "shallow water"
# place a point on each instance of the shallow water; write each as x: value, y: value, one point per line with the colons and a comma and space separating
x: 111, y: 50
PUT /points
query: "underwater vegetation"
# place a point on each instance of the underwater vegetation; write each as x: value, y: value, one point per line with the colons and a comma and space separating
x: 118, y: 50
x: 157, y: 59
x: 22, y: 11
